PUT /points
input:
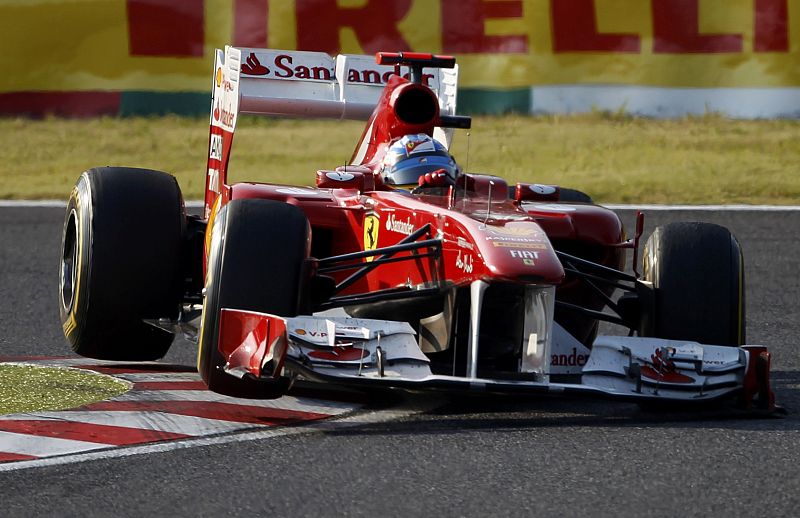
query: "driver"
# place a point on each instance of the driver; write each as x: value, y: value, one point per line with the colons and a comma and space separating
x: 415, y: 161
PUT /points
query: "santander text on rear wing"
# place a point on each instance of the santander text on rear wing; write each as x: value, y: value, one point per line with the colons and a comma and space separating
x: 314, y: 84
x: 302, y: 84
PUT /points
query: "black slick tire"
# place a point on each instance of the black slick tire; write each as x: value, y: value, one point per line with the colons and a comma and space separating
x: 565, y: 195
x: 121, y: 263
x: 573, y: 196
x: 256, y: 262
x: 697, y: 273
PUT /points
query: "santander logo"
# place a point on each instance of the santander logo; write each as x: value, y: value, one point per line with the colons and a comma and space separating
x: 227, y: 117
x: 283, y: 67
x: 569, y: 360
x: 401, y: 227
x: 313, y: 66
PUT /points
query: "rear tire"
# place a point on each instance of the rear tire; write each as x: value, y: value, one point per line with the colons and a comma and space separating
x: 256, y: 262
x: 573, y: 196
x: 565, y: 195
x: 121, y: 263
x: 697, y: 271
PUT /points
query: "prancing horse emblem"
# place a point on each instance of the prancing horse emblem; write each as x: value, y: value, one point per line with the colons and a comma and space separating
x: 371, y: 227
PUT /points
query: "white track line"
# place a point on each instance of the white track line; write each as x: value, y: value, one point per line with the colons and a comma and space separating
x: 319, y: 426
x: 291, y: 403
x: 613, y: 206
x: 26, y: 444
x: 72, y: 362
x: 158, y: 377
x: 32, y: 203
x: 708, y: 208
x: 135, y: 419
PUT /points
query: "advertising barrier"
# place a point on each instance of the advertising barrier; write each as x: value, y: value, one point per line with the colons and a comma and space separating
x: 657, y: 57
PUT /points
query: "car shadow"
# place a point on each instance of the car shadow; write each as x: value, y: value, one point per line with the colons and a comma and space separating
x: 458, y: 413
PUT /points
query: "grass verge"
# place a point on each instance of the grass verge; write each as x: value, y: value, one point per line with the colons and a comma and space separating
x: 618, y: 159
x: 29, y: 388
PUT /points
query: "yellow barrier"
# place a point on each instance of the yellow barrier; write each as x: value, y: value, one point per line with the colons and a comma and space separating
x: 167, y: 45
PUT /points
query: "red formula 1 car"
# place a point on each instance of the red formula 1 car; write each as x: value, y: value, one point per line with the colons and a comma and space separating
x: 399, y: 269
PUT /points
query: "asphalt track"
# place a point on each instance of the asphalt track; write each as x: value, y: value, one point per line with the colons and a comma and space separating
x: 468, y: 456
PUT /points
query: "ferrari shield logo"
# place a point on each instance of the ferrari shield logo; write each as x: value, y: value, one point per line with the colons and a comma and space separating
x: 371, y: 227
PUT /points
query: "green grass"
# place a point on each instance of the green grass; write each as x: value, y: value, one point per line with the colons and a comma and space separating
x: 28, y: 388
x: 620, y: 159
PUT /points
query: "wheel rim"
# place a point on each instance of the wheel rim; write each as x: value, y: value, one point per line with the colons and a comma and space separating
x: 69, y: 261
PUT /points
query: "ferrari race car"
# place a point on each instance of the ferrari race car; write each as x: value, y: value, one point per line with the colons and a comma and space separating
x: 397, y: 269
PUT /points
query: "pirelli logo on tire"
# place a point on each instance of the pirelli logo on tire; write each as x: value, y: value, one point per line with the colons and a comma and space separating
x: 372, y: 226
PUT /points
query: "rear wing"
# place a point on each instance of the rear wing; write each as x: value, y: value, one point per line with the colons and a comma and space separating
x: 290, y: 83
x: 314, y: 84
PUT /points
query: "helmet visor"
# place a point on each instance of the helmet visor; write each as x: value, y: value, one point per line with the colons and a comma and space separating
x: 409, y: 170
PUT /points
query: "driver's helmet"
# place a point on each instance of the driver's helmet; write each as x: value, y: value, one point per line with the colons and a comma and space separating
x: 412, y: 156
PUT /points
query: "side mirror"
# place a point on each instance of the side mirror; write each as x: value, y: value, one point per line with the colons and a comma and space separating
x: 327, y: 179
x: 536, y: 192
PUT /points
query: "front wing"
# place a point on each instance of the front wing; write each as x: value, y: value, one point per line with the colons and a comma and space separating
x: 378, y: 353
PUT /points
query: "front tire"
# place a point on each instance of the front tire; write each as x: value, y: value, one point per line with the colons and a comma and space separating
x: 697, y: 272
x: 256, y: 263
x: 121, y: 263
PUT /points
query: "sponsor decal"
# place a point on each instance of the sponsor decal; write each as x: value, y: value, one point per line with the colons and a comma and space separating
x: 395, y: 224
x: 298, y: 191
x: 284, y: 66
x: 372, y: 225
x: 379, y: 77
x: 511, y: 239
x: 336, y: 176
x: 463, y: 243
x: 253, y: 67
x: 344, y: 329
x: 464, y: 262
x: 569, y: 360
x: 313, y: 66
x: 543, y: 189
x: 416, y: 144
x: 286, y: 69
x: 313, y: 334
x: 215, y: 151
x: 519, y: 244
x: 226, y: 117
x: 213, y: 180
x: 524, y: 254
x: 219, y: 77
x: 517, y: 231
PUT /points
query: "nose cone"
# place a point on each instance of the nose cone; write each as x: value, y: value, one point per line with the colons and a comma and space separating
x: 519, y: 251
